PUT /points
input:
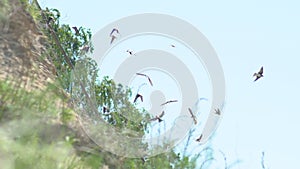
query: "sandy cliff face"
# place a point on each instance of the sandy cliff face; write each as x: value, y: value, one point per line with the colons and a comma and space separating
x: 24, y: 62
x: 22, y: 48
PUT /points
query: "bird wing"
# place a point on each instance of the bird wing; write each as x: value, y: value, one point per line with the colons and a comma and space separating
x: 261, y: 71
x: 190, y: 110
x: 150, y: 81
x: 198, y: 139
x: 153, y: 119
x: 162, y: 114
x: 143, y: 160
x: 169, y: 101
x: 141, y: 98
x: 165, y: 103
x: 129, y: 51
x: 50, y: 19
x: 193, y: 116
x: 113, y: 30
x: 136, y: 97
x: 76, y: 30
x: 256, y: 78
x: 141, y: 74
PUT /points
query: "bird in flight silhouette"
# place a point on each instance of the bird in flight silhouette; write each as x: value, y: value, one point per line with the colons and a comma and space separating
x: 50, y: 19
x: 76, y: 30
x: 112, y: 35
x: 193, y: 116
x: 144, y: 159
x: 130, y: 52
x: 105, y: 110
x: 114, y: 30
x: 199, y: 139
x: 170, y: 101
x: 158, y: 117
x: 259, y: 74
x: 138, y: 96
x: 218, y: 112
x: 141, y: 74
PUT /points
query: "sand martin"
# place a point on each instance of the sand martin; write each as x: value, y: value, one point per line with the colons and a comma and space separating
x: 259, y: 74
x: 158, y: 117
x: 141, y: 74
x: 170, y: 101
x: 199, y: 139
x: 193, y: 116
x: 138, y: 96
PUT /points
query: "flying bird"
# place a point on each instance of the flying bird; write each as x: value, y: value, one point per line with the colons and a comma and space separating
x: 193, y: 116
x: 130, y: 52
x: 173, y: 46
x: 138, y: 96
x: 199, y: 139
x: 259, y: 74
x: 170, y: 101
x: 144, y: 159
x: 50, y: 19
x: 76, y: 30
x: 218, y: 112
x: 113, y: 37
x: 158, y: 117
x: 114, y: 30
x: 105, y: 110
x: 141, y: 74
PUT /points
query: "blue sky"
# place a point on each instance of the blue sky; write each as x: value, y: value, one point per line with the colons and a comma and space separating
x: 246, y: 35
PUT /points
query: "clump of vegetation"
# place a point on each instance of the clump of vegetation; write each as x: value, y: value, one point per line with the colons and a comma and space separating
x: 30, y: 133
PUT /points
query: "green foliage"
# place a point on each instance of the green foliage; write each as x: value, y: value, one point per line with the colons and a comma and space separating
x: 29, y: 135
x: 33, y: 134
x: 116, y: 98
x: 92, y: 160
x: 65, y: 45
